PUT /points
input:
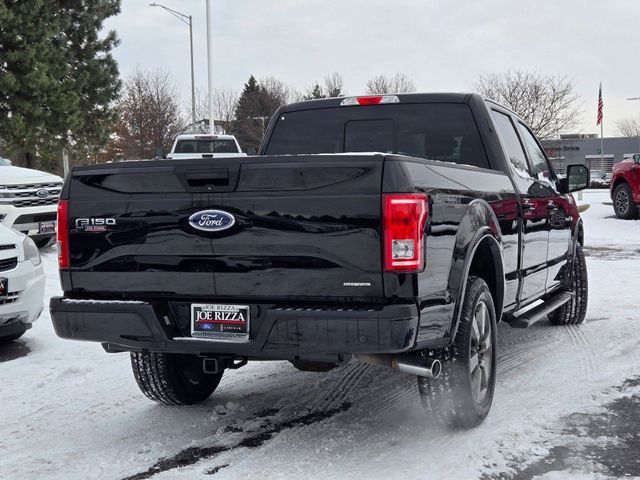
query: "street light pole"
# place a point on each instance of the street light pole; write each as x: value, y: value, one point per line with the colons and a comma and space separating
x: 189, y: 21
x: 212, y: 128
x: 193, y: 82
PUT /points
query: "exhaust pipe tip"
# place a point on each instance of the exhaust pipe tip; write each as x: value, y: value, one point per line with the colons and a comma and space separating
x: 427, y: 368
x: 436, y: 368
x: 414, y: 365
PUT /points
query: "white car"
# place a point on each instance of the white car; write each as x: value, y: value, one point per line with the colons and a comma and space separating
x: 21, y: 284
x: 205, y: 146
x: 28, y: 201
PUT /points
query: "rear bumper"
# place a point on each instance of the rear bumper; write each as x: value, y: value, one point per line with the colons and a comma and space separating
x: 276, y: 332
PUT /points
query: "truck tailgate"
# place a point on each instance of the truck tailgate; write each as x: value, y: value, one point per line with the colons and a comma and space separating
x: 303, y: 226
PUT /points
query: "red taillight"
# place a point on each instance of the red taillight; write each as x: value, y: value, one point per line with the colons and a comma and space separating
x: 404, y: 217
x: 374, y: 100
x: 63, y: 234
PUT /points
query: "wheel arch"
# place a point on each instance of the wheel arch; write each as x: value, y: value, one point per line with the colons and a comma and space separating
x: 478, y: 252
x: 620, y: 179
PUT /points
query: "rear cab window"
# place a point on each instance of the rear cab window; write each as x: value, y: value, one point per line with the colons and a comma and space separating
x: 435, y: 131
x: 206, y: 146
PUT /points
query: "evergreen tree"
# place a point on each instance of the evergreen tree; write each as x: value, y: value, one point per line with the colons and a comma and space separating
x: 57, y: 77
x: 315, y: 92
x: 256, y: 105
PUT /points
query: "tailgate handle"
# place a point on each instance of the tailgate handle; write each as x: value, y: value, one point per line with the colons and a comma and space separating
x: 218, y: 178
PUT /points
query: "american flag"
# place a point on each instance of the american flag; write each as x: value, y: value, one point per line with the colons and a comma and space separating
x: 600, y: 106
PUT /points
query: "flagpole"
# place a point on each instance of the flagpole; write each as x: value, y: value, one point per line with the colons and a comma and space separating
x: 602, y: 145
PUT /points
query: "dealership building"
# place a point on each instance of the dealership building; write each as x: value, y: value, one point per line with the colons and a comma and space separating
x: 585, y: 149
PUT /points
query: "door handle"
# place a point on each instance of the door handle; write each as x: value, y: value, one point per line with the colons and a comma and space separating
x: 217, y: 177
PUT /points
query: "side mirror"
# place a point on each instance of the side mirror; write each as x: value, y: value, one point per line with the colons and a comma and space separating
x: 577, y: 179
x: 636, y: 158
x: 251, y: 151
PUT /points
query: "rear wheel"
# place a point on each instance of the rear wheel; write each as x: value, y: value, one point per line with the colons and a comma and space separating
x: 463, y: 395
x: 623, y: 202
x: 575, y: 310
x: 173, y: 378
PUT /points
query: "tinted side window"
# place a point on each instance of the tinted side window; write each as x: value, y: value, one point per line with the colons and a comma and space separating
x: 539, y: 162
x: 509, y: 137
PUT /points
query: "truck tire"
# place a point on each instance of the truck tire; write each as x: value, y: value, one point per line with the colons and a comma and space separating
x: 623, y: 202
x: 463, y: 395
x: 575, y: 310
x: 173, y: 378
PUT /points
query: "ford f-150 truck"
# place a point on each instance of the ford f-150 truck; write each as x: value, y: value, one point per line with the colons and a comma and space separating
x: 399, y: 229
x: 625, y: 188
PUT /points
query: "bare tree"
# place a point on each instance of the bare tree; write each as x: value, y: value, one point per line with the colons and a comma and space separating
x: 279, y: 90
x: 334, y: 85
x: 225, y: 102
x: 547, y: 103
x: 629, y: 127
x: 399, y: 83
x: 148, y: 115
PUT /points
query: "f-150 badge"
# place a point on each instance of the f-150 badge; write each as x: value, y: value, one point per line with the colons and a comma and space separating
x: 94, y: 224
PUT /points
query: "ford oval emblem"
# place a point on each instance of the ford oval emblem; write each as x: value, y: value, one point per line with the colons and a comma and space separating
x: 42, y: 193
x: 212, y: 220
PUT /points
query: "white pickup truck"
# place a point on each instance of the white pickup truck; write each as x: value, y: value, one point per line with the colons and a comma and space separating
x: 29, y: 201
x: 205, y: 146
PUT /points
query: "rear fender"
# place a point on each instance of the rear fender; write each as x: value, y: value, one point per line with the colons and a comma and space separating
x: 479, y: 229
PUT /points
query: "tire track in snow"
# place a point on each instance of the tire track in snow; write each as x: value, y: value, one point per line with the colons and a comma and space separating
x: 192, y: 455
x: 341, y: 390
x: 581, y: 339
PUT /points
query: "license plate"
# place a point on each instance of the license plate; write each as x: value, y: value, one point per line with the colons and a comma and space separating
x: 46, y: 227
x: 220, y: 322
x: 4, y: 287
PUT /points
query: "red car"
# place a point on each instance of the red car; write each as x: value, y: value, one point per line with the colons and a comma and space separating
x: 625, y: 187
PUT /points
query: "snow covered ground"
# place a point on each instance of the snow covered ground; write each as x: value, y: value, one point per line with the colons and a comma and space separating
x: 566, y: 406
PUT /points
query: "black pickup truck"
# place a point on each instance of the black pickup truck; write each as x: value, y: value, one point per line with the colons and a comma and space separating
x: 399, y: 229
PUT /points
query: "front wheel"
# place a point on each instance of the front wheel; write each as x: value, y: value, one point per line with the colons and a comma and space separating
x: 463, y: 395
x: 173, y: 378
x: 623, y: 202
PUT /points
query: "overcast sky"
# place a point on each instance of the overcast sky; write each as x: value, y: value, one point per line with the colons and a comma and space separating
x: 443, y: 45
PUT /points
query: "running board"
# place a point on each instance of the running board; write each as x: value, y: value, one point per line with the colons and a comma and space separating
x: 538, y: 313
